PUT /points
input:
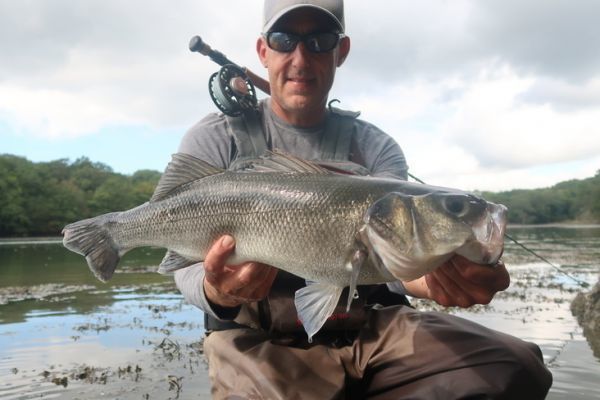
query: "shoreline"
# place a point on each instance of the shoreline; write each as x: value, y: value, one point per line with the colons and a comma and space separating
x: 11, y: 240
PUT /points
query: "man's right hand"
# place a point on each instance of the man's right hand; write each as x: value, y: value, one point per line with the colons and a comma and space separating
x: 233, y: 285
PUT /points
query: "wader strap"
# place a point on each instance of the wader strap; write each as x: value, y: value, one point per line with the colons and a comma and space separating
x: 336, y: 141
x: 212, y: 324
x: 247, y: 131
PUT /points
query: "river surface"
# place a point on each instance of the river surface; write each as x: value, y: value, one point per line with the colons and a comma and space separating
x: 63, y: 334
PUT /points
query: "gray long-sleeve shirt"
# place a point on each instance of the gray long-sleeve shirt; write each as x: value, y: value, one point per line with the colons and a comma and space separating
x: 212, y: 141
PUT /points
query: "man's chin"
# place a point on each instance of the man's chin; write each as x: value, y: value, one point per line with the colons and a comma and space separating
x: 301, y: 102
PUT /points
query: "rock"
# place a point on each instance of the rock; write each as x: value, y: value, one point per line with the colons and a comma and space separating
x: 586, y: 308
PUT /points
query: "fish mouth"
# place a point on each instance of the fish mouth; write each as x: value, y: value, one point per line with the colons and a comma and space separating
x: 487, y: 245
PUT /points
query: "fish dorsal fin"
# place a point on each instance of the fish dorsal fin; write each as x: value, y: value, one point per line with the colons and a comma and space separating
x: 182, y: 169
x: 279, y: 161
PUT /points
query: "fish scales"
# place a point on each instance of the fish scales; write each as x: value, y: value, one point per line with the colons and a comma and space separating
x: 300, y: 222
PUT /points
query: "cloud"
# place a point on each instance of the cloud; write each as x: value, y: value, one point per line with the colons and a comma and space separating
x: 557, y: 39
x: 563, y: 96
x: 431, y: 39
x: 467, y: 131
x: 73, y: 68
x: 55, y: 113
x: 502, y: 132
x: 472, y: 90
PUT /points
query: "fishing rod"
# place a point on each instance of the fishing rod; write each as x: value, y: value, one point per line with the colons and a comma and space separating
x: 197, y: 45
x: 232, y: 87
x: 506, y: 235
x: 232, y: 91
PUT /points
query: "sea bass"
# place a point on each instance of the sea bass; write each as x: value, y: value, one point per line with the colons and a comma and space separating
x: 332, y: 229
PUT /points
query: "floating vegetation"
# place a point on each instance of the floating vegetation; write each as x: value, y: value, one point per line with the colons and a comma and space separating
x: 101, y: 326
x: 93, y: 375
x: 63, y: 381
x: 170, y: 349
x: 175, y: 384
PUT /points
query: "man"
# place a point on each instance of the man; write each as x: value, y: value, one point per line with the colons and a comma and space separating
x: 382, y: 349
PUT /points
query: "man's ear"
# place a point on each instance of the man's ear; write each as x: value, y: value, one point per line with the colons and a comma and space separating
x: 343, y: 50
x: 261, y: 50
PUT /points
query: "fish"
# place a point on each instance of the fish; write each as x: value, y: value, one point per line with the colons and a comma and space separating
x: 334, y: 230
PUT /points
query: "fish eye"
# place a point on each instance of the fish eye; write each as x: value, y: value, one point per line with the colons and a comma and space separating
x: 456, y: 205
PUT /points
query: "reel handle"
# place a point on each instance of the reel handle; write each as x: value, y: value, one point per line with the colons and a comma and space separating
x: 197, y: 45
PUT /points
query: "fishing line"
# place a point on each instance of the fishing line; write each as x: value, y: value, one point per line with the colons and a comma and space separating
x: 578, y: 281
x: 415, y: 178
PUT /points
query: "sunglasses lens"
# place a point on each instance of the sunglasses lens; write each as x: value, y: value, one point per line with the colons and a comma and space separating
x: 282, y: 42
x: 314, y: 42
x: 321, y: 42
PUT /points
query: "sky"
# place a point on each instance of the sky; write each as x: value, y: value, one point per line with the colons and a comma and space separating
x: 480, y: 95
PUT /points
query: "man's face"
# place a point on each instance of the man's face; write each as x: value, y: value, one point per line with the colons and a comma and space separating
x: 301, y: 80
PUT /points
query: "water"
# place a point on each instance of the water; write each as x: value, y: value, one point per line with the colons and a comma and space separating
x: 130, y: 338
x: 65, y: 335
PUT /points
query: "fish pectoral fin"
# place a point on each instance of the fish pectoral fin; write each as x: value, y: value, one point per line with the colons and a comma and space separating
x: 314, y: 304
x: 357, y: 261
x: 173, y: 261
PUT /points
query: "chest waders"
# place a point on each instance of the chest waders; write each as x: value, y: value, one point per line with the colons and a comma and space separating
x: 277, y: 312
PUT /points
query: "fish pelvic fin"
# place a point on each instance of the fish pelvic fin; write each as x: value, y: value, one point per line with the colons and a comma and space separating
x: 183, y: 168
x: 172, y: 262
x: 314, y: 304
x: 357, y: 261
x: 91, y: 239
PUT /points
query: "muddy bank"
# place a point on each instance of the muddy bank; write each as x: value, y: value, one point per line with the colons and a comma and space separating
x: 586, y: 308
x: 38, y: 292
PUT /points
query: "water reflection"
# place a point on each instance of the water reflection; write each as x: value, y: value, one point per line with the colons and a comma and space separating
x: 56, y: 319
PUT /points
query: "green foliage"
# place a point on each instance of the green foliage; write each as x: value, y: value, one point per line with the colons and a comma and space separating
x: 41, y: 198
x: 569, y: 201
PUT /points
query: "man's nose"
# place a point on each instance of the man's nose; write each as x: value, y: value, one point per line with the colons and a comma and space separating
x: 301, y: 56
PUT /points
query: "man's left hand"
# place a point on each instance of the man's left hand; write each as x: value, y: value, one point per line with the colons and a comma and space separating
x: 460, y: 282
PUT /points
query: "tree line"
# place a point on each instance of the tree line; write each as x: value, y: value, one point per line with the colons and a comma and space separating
x: 39, y: 199
x: 576, y: 200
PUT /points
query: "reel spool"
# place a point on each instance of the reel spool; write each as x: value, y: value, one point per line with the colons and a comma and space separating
x: 232, y: 91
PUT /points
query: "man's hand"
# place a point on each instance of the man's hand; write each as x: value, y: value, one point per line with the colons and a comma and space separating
x: 460, y: 282
x: 232, y: 285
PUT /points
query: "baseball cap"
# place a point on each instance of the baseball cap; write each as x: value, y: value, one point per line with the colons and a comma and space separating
x: 275, y: 9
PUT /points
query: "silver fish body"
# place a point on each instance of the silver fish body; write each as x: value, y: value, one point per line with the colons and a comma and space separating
x: 331, y: 229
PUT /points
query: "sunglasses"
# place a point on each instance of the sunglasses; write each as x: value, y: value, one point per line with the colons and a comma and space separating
x: 319, y: 42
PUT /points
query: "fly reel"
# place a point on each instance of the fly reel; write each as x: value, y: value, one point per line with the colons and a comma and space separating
x: 232, y: 91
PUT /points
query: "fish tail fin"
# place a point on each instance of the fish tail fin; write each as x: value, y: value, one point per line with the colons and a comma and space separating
x: 91, y: 238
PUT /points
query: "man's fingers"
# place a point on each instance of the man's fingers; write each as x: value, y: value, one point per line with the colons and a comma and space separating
x: 463, y: 293
x: 235, y: 284
x: 214, y: 262
x: 484, y: 277
x: 256, y: 280
x: 436, y: 290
